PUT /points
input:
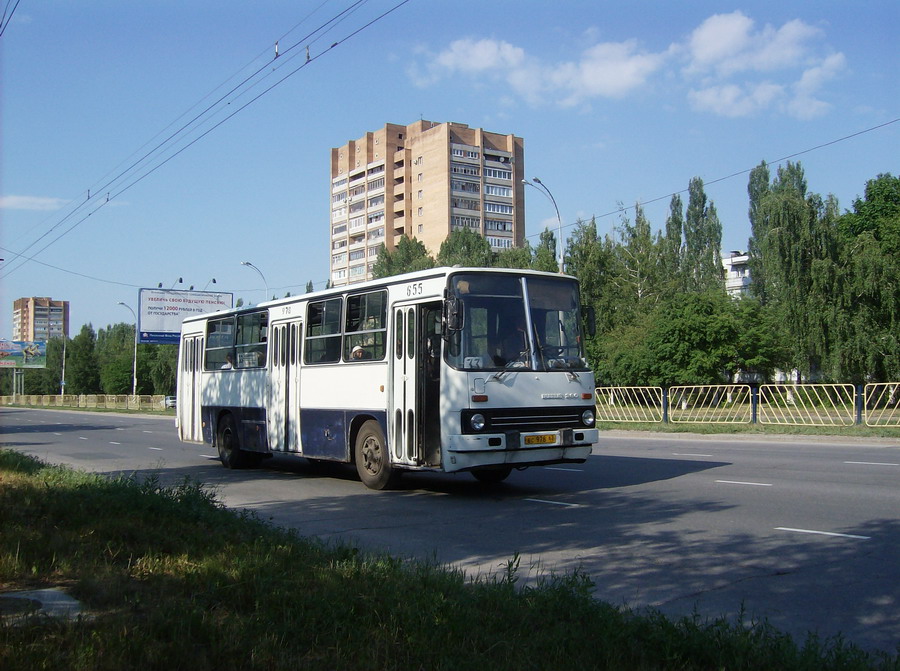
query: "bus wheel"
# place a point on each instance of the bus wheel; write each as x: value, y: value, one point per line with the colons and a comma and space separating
x: 230, y: 453
x: 373, y: 463
x: 491, y: 476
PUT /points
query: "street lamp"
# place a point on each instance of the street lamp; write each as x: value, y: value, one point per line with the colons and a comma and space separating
x: 178, y: 281
x: 212, y: 281
x: 540, y: 186
x: 134, y: 369
x: 250, y: 265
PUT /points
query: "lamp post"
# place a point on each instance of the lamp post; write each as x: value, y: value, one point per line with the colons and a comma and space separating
x: 212, y: 281
x: 540, y: 186
x: 250, y: 265
x: 134, y: 369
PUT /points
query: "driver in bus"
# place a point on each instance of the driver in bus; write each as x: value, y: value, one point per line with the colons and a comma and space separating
x: 512, y: 344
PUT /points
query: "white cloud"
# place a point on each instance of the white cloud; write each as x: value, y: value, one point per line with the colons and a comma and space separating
x: 605, y: 70
x: 39, y: 203
x: 474, y: 56
x: 727, y: 43
x: 731, y: 100
x: 729, y: 67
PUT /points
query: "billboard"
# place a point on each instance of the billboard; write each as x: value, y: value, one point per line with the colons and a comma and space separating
x: 23, y: 354
x: 160, y: 311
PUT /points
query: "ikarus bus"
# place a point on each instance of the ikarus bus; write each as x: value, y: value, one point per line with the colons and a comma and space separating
x: 449, y: 369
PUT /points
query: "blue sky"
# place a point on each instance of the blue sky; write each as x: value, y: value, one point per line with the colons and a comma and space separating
x: 617, y: 103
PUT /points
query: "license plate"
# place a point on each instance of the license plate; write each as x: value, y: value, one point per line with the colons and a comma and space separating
x: 543, y: 439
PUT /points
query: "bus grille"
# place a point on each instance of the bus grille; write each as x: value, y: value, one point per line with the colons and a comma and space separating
x: 499, y: 420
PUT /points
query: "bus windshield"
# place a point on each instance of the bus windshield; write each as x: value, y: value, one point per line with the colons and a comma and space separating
x: 522, y: 323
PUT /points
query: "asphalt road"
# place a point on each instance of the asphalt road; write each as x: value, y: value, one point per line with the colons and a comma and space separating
x: 801, y: 531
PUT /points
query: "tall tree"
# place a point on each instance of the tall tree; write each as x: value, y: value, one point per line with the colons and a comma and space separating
x: 309, y: 287
x: 545, y: 254
x: 671, y: 250
x: 82, y: 371
x: 465, y: 248
x: 702, y: 241
x: 409, y: 255
x: 516, y: 257
x: 757, y: 189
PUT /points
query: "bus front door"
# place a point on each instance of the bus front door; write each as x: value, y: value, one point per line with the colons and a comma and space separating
x: 404, y: 420
x: 282, y: 410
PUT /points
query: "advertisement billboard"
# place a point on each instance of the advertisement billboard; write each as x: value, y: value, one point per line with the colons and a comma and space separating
x: 23, y: 354
x: 160, y: 311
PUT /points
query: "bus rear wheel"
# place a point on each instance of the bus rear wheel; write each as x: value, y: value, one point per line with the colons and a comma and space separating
x: 491, y: 476
x: 373, y: 462
x: 230, y: 453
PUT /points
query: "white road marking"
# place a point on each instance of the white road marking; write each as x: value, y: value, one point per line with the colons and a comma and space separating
x: 822, y: 533
x: 737, y: 482
x: 570, y: 470
x: 209, y: 456
x: 112, y: 442
x: 56, y: 433
x: 81, y: 438
x: 554, y: 503
x: 146, y: 432
x: 158, y: 449
x: 688, y: 454
x: 871, y: 463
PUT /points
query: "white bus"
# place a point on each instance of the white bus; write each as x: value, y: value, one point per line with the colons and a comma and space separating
x: 450, y: 369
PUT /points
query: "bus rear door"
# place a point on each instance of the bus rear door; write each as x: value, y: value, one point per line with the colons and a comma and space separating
x: 282, y: 407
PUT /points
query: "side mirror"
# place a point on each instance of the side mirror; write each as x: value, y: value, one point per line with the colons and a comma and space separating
x: 454, y: 317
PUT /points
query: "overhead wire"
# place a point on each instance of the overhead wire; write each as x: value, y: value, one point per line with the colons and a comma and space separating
x: 179, y: 134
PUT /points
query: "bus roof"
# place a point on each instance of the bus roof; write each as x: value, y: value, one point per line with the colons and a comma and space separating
x: 440, y: 271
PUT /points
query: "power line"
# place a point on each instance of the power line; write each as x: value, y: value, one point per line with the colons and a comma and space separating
x: 6, y: 18
x: 307, y: 40
x: 734, y: 174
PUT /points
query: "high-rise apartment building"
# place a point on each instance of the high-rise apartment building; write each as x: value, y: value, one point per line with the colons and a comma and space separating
x: 40, y: 319
x: 424, y: 181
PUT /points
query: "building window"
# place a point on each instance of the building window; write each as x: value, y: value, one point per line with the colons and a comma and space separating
x: 420, y: 211
x: 497, y: 174
x: 466, y: 203
x: 499, y: 243
x: 464, y: 186
x: 376, y: 201
x: 498, y: 225
x: 376, y: 184
x: 494, y: 190
x: 420, y: 195
x: 462, y: 169
x: 460, y: 221
x: 498, y: 208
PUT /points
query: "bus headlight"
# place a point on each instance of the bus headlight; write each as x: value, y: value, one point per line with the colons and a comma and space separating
x: 587, y: 418
x: 476, y: 421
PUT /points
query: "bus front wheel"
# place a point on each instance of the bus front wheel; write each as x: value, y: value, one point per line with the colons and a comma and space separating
x: 492, y: 476
x: 373, y: 463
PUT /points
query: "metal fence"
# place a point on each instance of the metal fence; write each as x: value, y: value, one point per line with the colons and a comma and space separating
x: 108, y: 401
x: 832, y: 405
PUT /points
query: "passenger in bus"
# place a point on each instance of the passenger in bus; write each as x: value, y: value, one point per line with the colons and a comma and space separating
x: 359, y: 353
x: 229, y: 362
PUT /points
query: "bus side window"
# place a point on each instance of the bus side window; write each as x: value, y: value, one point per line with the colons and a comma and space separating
x: 365, y: 327
x: 323, y: 332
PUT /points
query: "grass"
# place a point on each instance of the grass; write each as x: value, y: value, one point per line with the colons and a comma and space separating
x: 173, y: 580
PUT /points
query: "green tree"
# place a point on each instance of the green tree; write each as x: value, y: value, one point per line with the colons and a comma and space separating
x: 164, y: 369
x: 516, y: 257
x: 409, y: 255
x: 671, y: 250
x: 545, y: 254
x: 464, y: 247
x: 309, y: 287
x: 702, y: 241
x: 866, y: 317
x: 82, y: 371
x: 757, y: 189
